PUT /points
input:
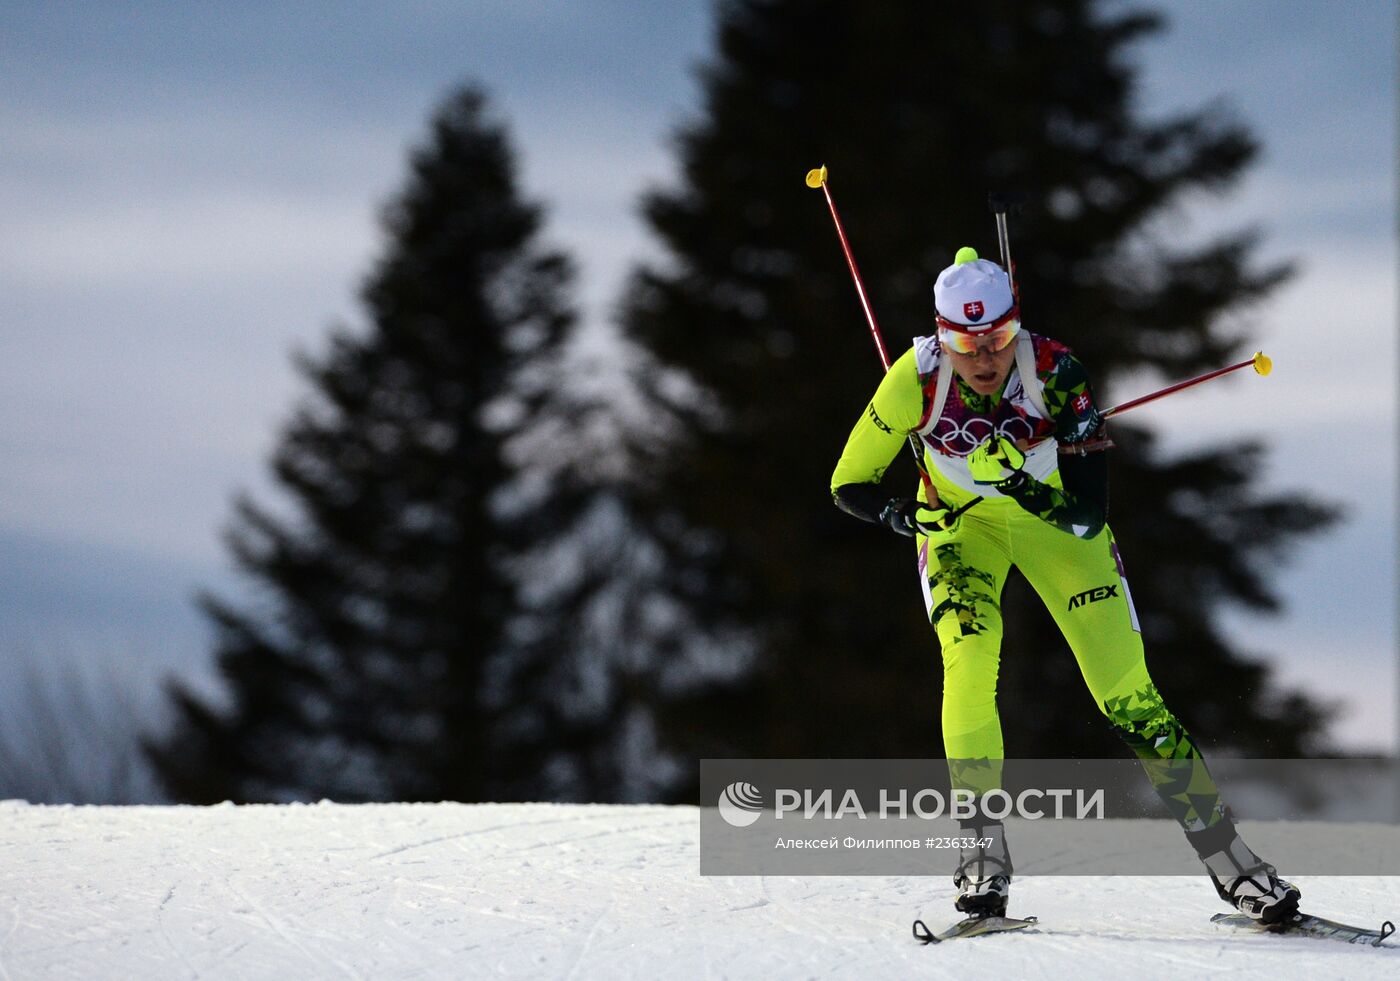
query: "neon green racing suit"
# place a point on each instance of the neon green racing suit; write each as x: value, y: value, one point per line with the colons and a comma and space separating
x: 1050, y: 525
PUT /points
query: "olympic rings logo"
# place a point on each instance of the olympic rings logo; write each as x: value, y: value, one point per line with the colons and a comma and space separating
x: 959, y: 438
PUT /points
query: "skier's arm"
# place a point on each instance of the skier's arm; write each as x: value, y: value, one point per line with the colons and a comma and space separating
x: 876, y: 440
x: 1081, y: 507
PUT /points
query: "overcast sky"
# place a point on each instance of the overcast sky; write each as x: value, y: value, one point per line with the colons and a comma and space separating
x: 190, y: 193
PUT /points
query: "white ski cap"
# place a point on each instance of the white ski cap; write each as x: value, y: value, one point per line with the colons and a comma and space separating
x: 972, y: 291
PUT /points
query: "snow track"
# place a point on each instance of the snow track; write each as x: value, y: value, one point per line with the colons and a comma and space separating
x: 566, y: 891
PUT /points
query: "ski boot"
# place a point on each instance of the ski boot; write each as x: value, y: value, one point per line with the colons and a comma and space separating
x: 983, y: 879
x: 1242, y: 878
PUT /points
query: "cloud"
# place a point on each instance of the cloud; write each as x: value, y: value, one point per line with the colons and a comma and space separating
x: 200, y: 238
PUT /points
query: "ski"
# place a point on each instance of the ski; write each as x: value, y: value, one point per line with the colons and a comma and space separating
x: 973, y: 926
x: 1311, y: 926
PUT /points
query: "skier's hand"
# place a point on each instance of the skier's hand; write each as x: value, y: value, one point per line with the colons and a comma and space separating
x: 997, y: 462
x: 912, y: 517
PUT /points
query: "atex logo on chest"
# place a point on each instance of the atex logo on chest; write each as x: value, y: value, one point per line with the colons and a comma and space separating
x: 1093, y: 595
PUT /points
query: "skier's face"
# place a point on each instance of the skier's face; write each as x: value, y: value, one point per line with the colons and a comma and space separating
x: 986, y: 370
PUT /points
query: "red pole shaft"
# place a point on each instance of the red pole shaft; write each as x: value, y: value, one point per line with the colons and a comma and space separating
x: 1154, y: 396
x: 855, y: 275
x: 930, y: 493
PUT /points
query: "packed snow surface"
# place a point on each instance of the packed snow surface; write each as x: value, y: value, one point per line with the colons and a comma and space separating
x: 569, y: 891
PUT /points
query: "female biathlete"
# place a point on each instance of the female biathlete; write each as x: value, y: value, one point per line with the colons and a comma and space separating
x: 1009, y: 416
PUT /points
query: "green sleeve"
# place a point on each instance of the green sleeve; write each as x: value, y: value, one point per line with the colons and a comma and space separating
x: 892, y: 414
x: 1070, y: 399
x: 1080, y: 507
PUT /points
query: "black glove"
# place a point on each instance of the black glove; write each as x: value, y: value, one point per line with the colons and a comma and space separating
x: 911, y: 517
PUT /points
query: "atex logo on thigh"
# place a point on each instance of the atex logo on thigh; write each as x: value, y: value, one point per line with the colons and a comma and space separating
x: 1093, y: 595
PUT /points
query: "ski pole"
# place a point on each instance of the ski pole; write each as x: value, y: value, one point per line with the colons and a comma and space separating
x: 816, y: 177
x: 1260, y: 362
x: 1262, y: 365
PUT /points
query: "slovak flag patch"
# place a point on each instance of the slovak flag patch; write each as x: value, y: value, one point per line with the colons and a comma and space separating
x: 1081, y: 403
x: 973, y: 310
